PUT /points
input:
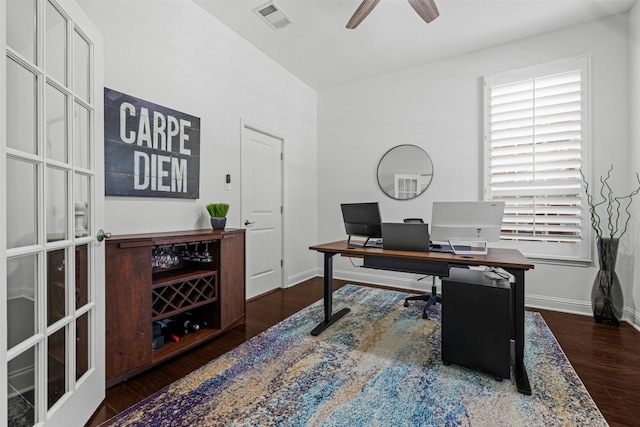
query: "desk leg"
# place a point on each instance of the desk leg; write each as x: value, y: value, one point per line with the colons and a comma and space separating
x: 522, y: 379
x: 329, y: 319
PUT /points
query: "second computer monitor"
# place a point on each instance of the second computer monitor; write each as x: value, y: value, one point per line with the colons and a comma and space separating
x: 362, y: 219
x: 466, y: 221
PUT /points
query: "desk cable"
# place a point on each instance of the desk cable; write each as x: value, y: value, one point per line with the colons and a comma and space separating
x: 499, y: 272
x: 351, y: 261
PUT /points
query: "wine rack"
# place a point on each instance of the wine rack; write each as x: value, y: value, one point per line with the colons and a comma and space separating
x: 142, y: 287
x: 175, y: 296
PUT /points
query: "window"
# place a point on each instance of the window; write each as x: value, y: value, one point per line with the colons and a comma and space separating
x: 536, y: 143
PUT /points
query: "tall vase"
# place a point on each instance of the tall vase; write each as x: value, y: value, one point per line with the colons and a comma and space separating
x: 607, y: 300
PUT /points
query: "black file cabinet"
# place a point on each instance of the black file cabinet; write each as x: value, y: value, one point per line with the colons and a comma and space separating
x: 476, y: 313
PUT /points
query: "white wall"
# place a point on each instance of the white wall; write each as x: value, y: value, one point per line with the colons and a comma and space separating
x: 634, y: 155
x: 172, y: 53
x: 438, y: 107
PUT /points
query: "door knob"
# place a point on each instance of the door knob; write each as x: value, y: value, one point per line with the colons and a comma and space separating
x: 102, y: 235
x: 248, y: 223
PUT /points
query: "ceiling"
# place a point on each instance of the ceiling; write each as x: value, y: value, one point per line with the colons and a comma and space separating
x: 319, y: 50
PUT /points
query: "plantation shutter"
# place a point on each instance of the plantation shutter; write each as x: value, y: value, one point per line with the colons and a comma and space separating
x: 535, y: 148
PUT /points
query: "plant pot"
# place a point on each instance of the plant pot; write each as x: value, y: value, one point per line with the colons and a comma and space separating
x: 218, y: 223
x: 607, y: 300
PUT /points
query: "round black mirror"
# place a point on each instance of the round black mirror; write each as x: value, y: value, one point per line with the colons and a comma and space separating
x: 405, y: 172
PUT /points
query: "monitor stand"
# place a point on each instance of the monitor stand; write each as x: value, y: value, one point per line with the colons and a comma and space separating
x: 351, y: 245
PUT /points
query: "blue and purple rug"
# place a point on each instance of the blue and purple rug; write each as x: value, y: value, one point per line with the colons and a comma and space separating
x: 377, y: 366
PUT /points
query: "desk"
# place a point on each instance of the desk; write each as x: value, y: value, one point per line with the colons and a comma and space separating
x: 438, y: 264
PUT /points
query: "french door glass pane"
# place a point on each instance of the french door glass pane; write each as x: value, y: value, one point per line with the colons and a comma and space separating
x: 81, y: 205
x: 49, y: 197
x: 56, y: 44
x: 56, y: 366
x: 81, y: 139
x: 21, y: 116
x: 56, y: 125
x: 21, y: 27
x: 82, y: 345
x: 56, y: 183
x: 22, y: 215
x: 22, y: 277
x: 56, y: 285
x: 82, y: 275
x: 21, y: 389
x: 81, y: 67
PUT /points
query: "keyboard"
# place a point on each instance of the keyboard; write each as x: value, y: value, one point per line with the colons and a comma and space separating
x: 447, y: 248
x: 440, y: 248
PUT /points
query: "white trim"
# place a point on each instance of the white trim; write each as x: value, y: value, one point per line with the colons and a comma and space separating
x: 301, y: 277
x: 573, y: 253
x: 533, y: 301
x: 559, y: 304
x: 402, y: 280
x: 71, y: 406
x: 246, y: 124
x: 21, y: 378
x: 3, y: 219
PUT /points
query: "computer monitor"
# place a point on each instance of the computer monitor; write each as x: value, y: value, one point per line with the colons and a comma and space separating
x: 466, y: 221
x: 362, y: 219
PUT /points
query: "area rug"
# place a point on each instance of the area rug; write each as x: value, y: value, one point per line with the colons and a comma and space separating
x: 377, y: 366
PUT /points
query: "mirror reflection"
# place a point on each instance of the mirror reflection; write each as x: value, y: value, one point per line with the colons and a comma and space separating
x: 405, y: 172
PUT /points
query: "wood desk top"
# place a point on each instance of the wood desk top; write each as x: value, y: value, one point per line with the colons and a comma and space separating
x: 496, y: 257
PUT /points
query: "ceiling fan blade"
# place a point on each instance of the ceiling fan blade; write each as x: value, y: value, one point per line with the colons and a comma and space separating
x: 427, y: 9
x: 361, y: 12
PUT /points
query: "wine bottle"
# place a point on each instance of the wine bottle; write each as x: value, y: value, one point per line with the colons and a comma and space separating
x: 169, y: 329
x: 190, y: 322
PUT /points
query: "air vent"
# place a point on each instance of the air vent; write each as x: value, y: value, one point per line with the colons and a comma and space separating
x: 273, y: 15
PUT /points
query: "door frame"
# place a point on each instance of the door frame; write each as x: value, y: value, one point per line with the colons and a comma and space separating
x: 62, y: 412
x: 246, y: 124
x: 3, y: 218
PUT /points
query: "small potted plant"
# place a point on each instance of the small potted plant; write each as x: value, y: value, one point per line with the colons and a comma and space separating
x: 218, y: 213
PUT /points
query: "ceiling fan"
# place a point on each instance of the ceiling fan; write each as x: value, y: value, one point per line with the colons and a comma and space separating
x: 427, y: 10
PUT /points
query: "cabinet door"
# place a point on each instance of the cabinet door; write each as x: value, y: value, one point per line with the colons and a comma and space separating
x: 128, y: 293
x: 232, y: 279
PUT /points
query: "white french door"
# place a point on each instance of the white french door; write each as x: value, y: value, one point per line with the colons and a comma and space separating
x: 52, y: 200
x: 262, y: 209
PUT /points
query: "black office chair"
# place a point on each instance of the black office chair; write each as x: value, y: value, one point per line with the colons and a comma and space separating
x: 430, y: 298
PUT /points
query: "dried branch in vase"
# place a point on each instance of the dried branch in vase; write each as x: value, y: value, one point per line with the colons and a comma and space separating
x: 615, y: 207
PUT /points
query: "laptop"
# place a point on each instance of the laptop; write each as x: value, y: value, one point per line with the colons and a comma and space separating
x: 405, y: 236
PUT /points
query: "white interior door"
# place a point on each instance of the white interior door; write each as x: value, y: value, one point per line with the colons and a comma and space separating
x: 262, y: 209
x: 52, y: 284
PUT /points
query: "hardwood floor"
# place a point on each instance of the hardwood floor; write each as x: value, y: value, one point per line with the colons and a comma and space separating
x: 606, y: 358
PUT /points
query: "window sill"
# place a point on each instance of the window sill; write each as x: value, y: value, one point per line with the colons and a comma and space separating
x: 541, y: 259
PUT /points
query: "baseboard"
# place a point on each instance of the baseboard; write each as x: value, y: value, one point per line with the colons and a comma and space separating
x: 21, y: 381
x: 558, y: 304
x: 633, y: 318
x: 534, y: 301
x: 577, y: 307
x: 303, y: 276
x: 409, y: 283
